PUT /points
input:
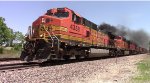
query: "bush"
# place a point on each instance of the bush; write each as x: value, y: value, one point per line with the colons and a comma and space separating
x: 1, y: 50
x: 17, y: 47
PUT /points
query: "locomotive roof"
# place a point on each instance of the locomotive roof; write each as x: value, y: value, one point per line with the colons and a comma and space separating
x: 87, y: 22
x: 70, y: 10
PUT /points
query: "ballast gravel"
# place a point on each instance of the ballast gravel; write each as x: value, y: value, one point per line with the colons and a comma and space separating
x: 110, y: 70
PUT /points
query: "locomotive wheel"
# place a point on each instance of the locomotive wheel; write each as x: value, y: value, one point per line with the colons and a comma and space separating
x: 43, y: 55
x: 112, y: 53
x: 30, y: 58
x: 78, y: 57
x: 116, y: 53
x: 66, y: 57
x: 86, y: 56
x: 82, y: 55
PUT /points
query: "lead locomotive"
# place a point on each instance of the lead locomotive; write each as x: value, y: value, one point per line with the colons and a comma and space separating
x: 61, y: 34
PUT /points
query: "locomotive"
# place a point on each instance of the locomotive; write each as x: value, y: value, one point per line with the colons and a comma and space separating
x: 61, y: 33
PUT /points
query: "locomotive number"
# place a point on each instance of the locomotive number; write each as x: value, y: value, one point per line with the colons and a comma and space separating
x: 74, y: 27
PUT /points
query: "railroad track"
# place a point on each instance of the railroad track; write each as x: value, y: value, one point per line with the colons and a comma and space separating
x: 22, y: 66
x: 9, y: 59
x: 17, y: 66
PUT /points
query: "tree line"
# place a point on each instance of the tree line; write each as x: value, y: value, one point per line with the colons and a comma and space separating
x: 9, y: 37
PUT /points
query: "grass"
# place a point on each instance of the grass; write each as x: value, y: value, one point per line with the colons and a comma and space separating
x: 143, y: 72
x: 9, y: 53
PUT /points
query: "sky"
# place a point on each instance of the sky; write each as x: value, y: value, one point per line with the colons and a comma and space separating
x: 132, y: 14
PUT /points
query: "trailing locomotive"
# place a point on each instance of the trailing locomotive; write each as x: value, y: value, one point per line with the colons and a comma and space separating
x: 61, y: 33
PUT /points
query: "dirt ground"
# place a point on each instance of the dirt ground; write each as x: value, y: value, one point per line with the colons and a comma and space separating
x: 120, y: 71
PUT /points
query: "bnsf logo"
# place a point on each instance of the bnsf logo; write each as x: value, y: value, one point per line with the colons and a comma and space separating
x: 46, y: 28
x: 74, y: 27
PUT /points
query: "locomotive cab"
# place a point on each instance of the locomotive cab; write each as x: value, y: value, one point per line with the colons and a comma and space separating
x: 118, y: 42
x: 53, y: 22
x: 121, y: 42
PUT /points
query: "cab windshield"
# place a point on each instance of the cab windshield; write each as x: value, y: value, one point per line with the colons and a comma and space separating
x: 61, y: 14
x: 58, y: 14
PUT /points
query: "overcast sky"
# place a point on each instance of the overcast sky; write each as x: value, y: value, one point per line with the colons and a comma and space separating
x: 135, y: 15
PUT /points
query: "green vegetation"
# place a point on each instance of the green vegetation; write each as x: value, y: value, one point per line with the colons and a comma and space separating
x: 10, y: 41
x: 149, y: 47
x: 10, y: 53
x: 1, y: 50
x: 143, y: 71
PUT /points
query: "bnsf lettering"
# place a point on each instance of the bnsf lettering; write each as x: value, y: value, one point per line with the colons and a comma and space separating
x: 76, y: 28
x: 46, y: 28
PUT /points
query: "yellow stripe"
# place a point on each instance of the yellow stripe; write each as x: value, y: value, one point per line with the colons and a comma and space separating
x: 67, y: 37
x: 59, y: 28
x: 64, y: 36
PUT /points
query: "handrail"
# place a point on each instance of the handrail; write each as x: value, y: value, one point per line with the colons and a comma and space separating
x: 29, y: 32
x: 57, y: 39
x: 50, y: 37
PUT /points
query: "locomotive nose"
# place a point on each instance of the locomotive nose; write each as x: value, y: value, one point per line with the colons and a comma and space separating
x: 46, y: 20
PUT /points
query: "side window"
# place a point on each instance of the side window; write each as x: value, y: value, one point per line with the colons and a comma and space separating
x: 73, y: 17
x: 94, y: 26
x: 88, y: 23
x: 83, y: 21
x: 76, y: 18
x: 87, y: 33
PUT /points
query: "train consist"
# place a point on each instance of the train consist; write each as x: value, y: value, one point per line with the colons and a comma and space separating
x: 61, y: 34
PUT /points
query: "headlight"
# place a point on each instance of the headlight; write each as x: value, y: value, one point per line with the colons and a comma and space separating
x: 41, y: 35
x: 43, y: 20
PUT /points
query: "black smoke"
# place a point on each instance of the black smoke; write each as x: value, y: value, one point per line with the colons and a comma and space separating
x: 140, y: 37
x: 107, y: 28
